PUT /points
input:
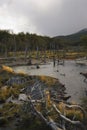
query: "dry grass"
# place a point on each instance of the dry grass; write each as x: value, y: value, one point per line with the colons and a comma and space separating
x: 48, y: 80
x: 8, y: 69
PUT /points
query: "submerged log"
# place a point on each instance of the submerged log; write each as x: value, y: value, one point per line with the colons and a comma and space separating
x: 37, y: 66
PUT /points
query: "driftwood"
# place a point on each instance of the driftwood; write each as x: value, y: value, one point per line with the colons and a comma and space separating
x: 77, y: 107
x: 53, y: 125
x: 76, y: 123
x: 49, y: 122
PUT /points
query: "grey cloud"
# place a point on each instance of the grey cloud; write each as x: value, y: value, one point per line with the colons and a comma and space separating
x: 58, y: 17
x: 71, y: 18
x: 5, y: 2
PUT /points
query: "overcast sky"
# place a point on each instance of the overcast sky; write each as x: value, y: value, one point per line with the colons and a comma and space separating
x: 44, y: 17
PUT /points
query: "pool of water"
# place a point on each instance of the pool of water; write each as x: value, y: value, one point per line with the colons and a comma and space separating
x: 69, y: 74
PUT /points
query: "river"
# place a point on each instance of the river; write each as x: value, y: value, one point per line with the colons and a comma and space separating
x: 69, y: 74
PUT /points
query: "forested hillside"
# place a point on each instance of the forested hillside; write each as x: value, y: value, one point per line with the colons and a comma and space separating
x: 25, y: 41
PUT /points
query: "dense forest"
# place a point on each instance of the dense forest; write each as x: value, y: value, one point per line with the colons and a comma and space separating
x: 10, y: 42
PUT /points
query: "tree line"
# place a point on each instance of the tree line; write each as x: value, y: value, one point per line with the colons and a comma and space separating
x: 10, y: 42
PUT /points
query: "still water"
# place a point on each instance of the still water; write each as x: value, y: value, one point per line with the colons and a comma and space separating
x: 68, y: 74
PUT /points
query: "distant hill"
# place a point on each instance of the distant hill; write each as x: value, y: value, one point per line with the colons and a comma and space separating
x: 79, y: 33
x: 83, y: 31
x: 73, y: 39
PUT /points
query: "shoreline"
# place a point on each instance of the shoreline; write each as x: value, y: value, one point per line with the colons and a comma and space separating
x: 46, y: 92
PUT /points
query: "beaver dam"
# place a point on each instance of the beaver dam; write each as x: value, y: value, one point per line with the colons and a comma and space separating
x: 68, y: 74
x: 36, y: 102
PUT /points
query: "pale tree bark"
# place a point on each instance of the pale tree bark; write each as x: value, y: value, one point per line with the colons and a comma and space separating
x: 76, y: 123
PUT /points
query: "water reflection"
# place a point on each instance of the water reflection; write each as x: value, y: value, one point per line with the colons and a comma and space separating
x: 69, y: 74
